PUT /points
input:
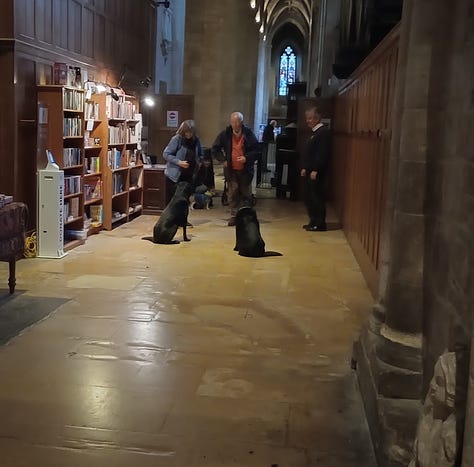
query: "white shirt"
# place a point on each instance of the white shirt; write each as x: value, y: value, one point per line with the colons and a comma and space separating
x: 317, y: 127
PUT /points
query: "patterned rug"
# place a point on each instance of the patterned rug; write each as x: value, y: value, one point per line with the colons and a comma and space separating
x: 19, y: 311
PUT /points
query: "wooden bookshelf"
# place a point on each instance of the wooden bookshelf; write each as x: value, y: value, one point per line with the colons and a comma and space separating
x: 95, y: 153
x: 64, y: 137
x: 122, y: 168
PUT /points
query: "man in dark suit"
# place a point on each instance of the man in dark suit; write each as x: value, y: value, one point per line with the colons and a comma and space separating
x: 314, y: 168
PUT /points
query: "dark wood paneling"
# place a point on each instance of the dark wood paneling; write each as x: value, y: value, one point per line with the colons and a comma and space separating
x: 25, y: 22
x: 7, y: 116
x: 74, y: 25
x: 60, y: 21
x: 7, y: 19
x: 87, y: 32
x: 44, y: 25
x: 26, y: 156
x: 361, y: 149
x: 155, y: 118
x: 99, y: 37
x: 48, y: 31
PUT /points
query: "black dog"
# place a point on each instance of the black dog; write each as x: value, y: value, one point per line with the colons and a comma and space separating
x: 248, y: 240
x: 175, y: 215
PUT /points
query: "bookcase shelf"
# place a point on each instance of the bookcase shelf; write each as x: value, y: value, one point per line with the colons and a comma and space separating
x: 123, y: 170
x: 74, y: 219
x: 62, y: 134
x: 73, y: 195
x: 92, y: 201
x: 95, y: 140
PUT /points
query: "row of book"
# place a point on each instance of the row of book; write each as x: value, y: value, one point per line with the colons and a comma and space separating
x: 72, y: 126
x: 91, y: 110
x: 118, y: 182
x: 72, y: 184
x: 73, y: 99
x: 114, y: 158
x: 118, y: 134
x: 120, y: 109
x: 92, y: 164
x: 72, y: 157
x: 131, y: 156
x: 92, y: 189
x: 95, y: 217
x: 71, y: 209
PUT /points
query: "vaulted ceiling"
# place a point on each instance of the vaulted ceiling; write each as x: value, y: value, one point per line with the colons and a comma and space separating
x: 273, y: 14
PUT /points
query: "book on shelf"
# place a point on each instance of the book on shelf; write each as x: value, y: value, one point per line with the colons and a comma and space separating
x: 92, y: 164
x: 72, y: 126
x: 91, y: 110
x: 72, y: 184
x: 132, y: 156
x: 118, y: 185
x: 92, y: 189
x: 97, y: 215
x: 72, y: 157
x: 136, y: 178
x: 73, y: 100
x: 114, y: 158
x: 71, y: 209
x: 118, y: 134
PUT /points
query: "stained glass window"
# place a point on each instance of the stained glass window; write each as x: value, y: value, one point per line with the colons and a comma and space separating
x: 287, y: 70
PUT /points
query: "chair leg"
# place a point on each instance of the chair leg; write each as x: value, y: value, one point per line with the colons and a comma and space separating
x: 12, y: 278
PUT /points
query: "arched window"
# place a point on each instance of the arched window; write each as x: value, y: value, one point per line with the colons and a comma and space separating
x: 287, y: 73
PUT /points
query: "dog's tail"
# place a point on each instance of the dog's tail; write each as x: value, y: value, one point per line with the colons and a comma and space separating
x: 273, y: 253
x: 150, y: 239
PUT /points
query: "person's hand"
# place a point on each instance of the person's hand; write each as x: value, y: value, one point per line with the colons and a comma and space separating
x: 303, y: 173
x: 242, y: 159
x: 313, y: 175
x: 183, y: 164
x: 224, y: 164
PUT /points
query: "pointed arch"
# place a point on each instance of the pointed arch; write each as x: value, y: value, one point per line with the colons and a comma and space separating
x: 287, y: 70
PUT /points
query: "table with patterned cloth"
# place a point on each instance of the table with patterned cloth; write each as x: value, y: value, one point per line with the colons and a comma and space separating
x: 13, y: 218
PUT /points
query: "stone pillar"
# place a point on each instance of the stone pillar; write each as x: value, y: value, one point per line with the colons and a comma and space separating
x: 389, y: 354
x: 261, y: 95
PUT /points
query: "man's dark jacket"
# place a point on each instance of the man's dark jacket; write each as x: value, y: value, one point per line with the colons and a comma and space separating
x: 222, y: 148
x: 316, y: 153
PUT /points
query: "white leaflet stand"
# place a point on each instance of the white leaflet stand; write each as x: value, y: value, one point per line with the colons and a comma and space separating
x: 50, y: 211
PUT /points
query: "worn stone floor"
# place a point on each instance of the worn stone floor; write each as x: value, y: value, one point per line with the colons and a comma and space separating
x: 189, y: 355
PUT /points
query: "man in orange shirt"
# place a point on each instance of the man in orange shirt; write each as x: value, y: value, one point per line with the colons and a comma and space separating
x: 238, y: 147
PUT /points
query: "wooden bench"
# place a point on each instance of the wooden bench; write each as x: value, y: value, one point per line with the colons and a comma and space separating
x: 13, y: 218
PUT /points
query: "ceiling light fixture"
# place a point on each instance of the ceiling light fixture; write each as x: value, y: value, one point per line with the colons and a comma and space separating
x: 149, y: 101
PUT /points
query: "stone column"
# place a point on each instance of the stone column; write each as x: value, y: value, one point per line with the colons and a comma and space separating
x: 261, y: 94
x: 389, y: 357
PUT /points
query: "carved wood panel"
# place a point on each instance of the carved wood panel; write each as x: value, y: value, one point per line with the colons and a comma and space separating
x: 361, y: 149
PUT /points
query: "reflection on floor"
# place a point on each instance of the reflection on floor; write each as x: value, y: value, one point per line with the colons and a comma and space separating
x: 189, y: 355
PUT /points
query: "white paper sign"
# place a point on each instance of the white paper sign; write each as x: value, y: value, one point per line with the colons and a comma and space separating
x: 172, y: 117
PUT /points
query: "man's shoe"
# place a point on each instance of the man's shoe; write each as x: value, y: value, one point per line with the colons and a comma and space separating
x: 316, y: 228
x: 231, y: 222
x: 306, y: 226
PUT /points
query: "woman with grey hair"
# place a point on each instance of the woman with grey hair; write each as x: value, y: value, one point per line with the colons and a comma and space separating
x: 183, y: 156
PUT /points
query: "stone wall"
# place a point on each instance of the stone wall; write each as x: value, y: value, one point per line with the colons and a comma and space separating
x: 220, y: 63
x: 421, y: 328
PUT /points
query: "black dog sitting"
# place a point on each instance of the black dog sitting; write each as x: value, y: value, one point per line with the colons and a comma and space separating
x: 175, y: 215
x: 248, y: 240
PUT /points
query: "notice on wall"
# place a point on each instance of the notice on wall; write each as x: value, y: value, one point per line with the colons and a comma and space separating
x: 172, y: 117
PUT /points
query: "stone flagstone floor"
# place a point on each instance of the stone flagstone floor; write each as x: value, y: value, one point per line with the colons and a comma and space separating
x: 189, y: 355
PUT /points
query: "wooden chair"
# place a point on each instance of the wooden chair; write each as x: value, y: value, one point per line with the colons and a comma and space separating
x: 13, y: 219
